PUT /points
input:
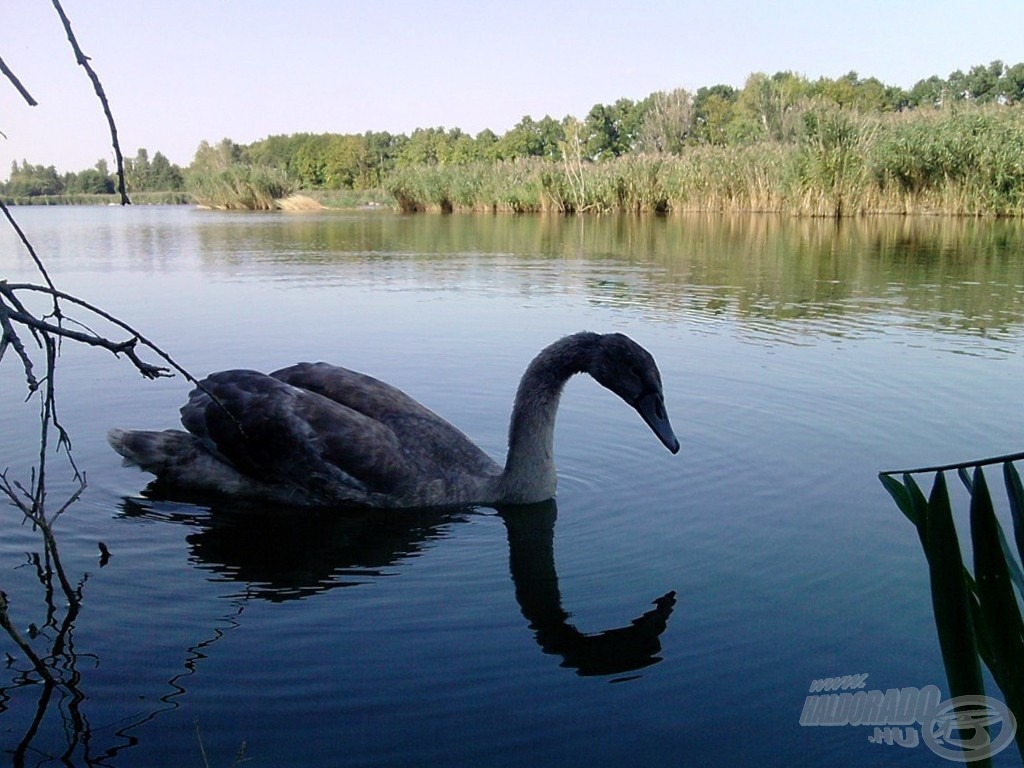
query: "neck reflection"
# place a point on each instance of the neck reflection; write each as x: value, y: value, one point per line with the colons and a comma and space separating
x: 282, y: 555
x: 532, y: 565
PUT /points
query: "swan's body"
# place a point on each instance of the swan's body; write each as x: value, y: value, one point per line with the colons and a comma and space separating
x: 315, y: 434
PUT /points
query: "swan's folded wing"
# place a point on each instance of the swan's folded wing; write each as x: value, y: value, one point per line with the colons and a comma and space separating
x: 358, y: 391
x: 279, y: 433
x: 435, y: 446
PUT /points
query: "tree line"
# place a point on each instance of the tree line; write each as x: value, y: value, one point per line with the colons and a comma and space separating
x: 768, y: 109
x: 142, y: 174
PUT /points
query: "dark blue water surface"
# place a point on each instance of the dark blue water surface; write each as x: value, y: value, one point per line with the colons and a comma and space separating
x: 663, y: 610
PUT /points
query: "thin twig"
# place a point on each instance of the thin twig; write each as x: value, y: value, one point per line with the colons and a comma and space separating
x: 31, y: 252
x: 137, y: 337
x: 127, y: 347
x: 49, y: 415
x: 10, y: 338
x: 15, y: 635
x: 6, y: 71
x: 83, y: 61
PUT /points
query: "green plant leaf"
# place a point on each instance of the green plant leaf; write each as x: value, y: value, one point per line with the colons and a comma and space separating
x: 965, y: 478
x: 1015, y: 493
x: 950, y: 597
x: 901, y: 495
x: 919, y: 505
x: 1000, y: 622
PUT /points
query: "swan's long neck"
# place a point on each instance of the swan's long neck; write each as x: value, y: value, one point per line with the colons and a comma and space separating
x: 529, y: 474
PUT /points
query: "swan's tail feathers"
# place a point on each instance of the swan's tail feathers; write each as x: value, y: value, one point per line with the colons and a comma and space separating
x: 157, y: 452
x: 183, y: 461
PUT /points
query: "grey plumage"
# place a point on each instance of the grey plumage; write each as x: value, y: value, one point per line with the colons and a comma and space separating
x: 315, y: 434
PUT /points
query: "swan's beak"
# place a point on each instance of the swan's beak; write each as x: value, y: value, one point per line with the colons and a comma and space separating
x: 651, y: 408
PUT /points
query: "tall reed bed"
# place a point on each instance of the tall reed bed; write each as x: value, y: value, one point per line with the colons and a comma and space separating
x: 964, y: 162
x: 240, y: 187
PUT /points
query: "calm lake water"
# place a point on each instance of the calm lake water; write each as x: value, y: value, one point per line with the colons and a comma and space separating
x: 799, y: 358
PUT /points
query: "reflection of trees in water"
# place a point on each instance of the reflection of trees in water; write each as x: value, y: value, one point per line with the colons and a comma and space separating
x: 926, y: 271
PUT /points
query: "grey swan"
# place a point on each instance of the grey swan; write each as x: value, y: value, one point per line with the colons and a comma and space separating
x: 315, y: 434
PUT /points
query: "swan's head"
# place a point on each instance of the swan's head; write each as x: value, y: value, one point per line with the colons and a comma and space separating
x: 628, y: 370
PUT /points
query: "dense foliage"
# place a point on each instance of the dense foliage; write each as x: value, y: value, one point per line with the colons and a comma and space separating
x: 781, y: 142
x: 141, y: 175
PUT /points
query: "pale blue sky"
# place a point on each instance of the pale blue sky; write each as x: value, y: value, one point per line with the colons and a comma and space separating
x: 182, y: 71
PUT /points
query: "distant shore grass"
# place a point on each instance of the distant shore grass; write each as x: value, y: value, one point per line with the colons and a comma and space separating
x: 352, y: 198
x: 138, y: 198
x: 344, y: 199
x: 961, y: 161
x: 954, y: 162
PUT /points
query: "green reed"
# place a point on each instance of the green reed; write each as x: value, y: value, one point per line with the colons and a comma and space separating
x: 977, y: 615
x: 963, y: 161
x: 240, y: 187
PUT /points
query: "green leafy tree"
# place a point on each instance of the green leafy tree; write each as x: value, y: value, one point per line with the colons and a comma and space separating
x: 164, y: 176
x: 956, y: 85
x: 768, y: 105
x: 383, y: 148
x: 461, y: 148
x: 530, y: 138
x: 345, y: 162
x: 928, y: 93
x: 137, y: 171
x: 667, y: 122
x: 310, y: 162
x: 275, y: 152
x: 612, y: 130
x: 982, y: 82
x: 712, y: 113
x: 852, y: 92
x: 93, y: 181
x: 552, y: 135
x: 431, y: 146
x: 1011, y: 84
x: 33, y: 180
x: 219, y: 157
x: 486, y: 144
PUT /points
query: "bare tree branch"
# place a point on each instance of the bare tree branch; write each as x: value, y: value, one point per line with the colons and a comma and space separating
x: 117, y: 348
x: 127, y: 347
x: 31, y: 252
x: 11, y: 339
x: 83, y: 61
x: 6, y: 71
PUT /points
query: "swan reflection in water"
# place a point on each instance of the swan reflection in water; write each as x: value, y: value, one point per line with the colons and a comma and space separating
x: 278, y: 556
x: 282, y: 557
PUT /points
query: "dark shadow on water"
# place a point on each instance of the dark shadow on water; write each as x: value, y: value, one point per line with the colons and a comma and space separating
x: 282, y: 555
x: 285, y: 554
x: 532, y: 564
